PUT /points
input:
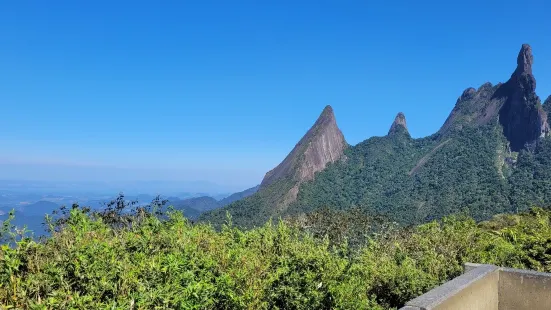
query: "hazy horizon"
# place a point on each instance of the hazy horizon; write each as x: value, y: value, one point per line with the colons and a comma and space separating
x: 112, y: 187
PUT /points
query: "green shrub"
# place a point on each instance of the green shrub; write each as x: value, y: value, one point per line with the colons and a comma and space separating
x: 170, y: 263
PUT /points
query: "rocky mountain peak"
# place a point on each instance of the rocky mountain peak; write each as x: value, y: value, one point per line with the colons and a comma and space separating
x: 467, y: 94
x: 326, y: 118
x: 399, y: 125
x: 514, y: 103
x: 522, y: 116
x: 525, y: 60
x: 522, y: 76
x: 327, y: 112
x: 324, y: 143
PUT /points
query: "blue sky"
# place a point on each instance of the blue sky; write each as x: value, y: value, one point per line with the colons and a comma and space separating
x: 222, y: 90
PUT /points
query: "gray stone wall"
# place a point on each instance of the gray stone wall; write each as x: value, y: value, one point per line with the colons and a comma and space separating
x: 488, y: 287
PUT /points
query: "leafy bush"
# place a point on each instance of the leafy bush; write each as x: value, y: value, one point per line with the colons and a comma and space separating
x: 168, y: 262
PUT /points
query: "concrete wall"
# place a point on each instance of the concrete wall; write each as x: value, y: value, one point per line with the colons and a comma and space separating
x: 522, y: 289
x: 477, y: 289
x: 487, y: 287
x: 479, y: 295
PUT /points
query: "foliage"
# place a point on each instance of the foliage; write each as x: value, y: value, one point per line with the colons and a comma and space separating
x: 254, y: 210
x: 412, y: 181
x: 353, y: 226
x: 117, y: 213
x: 531, y: 180
x: 417, y: 180
x: 467, y: 166
x: 168, y: 262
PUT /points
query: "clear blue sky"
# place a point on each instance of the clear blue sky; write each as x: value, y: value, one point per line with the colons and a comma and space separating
x: 222, y: 90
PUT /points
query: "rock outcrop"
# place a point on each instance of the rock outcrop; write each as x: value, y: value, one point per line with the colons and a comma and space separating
x: 399, y: 126
x: 474, y: 107
x: 522, y: 115
x: 324, y: 143
x: 515, y: 103
x: 547, y: 106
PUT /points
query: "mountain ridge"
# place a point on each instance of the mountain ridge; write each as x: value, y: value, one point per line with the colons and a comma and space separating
x: 399, y: 125
x: 195, y: 206
x: 492, y: 143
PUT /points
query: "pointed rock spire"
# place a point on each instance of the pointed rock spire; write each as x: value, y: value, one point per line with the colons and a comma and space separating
x: 525, y: 60
x: 399, y: 125
x: 326, y: 118
x: 522, y: 116
x: 322, y: 144
x: 522, y: 76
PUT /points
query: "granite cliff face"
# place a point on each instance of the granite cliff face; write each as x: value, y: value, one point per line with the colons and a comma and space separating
x: 322, y: 144
x: 522, y: 116
x: 399, y: 125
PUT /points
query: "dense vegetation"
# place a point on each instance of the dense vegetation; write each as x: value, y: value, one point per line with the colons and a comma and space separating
x: 254, y: 210
x: 413, y: 181
x: 140, y: 261
x: 473, y: 164
x: 416, y: 180
x: 470, y: 171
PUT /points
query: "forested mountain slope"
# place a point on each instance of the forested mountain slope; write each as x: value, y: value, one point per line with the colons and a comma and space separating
x: 492, y: 155
x: 195, y: 206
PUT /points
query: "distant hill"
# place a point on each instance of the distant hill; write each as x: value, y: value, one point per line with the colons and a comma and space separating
x: 202, y: 204
x: 237, y: 196
x: 32, y: 215
x: 39, y: 208
x: 188, y: 211
x: 492, y: 155
x: 194, y: 207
